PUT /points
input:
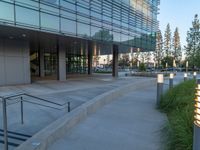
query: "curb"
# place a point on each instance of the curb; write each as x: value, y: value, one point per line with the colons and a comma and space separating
x: 57, y: 129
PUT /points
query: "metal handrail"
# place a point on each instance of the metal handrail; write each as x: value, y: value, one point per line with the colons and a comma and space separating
x: 35, y: 97
x: 20, y: 95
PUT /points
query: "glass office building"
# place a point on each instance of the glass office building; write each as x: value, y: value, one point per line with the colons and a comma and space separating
x: 54, y: 38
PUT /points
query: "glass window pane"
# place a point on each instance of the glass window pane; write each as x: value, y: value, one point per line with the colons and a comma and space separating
x: 116, y: 37
x: 28, y: 3
x: 51, y: 1
x: 68, y: 26
x: 96, y: 33
x: 6, y: 11
x: 27, y: 16
x: 67, y: 14
x: 68, y: 5
x: 83, y: 29
x: 49, y: 21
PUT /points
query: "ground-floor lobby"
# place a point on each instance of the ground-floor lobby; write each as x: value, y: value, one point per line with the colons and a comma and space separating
x: 26, y: 56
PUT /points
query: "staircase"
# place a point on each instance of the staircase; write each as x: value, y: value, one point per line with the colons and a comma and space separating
x: 14, y: 138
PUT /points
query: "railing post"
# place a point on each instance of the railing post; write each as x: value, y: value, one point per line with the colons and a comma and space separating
x: 171, y: 78
x: 196, y: 138
x: 69, y: 108
x: 22, y: 111
x: 5, y: 127
x: 159, y: 87
x: 185, y: 76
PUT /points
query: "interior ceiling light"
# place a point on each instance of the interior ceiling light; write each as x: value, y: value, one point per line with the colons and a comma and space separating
x: 23, y: 35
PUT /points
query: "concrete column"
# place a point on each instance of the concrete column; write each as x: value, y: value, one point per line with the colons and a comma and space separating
x: 41, y: 55
x: 90, y: 52
x: 61, y: 62
x: 115, y: 61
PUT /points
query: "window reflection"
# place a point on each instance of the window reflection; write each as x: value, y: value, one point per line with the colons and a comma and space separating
x: 116, y: 20
x: 6, y: 11
x: 68, y: 26
x: 83, y: 29
x: 49, y: 21
x: 27, y: 16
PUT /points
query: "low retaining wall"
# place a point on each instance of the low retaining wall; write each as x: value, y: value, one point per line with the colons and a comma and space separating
x: 57, y: 129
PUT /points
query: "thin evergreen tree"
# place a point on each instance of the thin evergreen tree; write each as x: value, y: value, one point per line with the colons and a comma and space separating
x: 158, y: 54
x: 193, y: 43
x: 167, y: 41
x: 177, y: 54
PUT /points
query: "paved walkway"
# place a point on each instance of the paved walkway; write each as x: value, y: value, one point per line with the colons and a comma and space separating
x: 77, y: 91
x: 129, y: 123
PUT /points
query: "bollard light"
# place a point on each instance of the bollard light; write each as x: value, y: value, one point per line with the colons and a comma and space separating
x: 185, y: 76
x: 196, y: 138
x: 195, y: 75
x: 160, y: 81
x: 171, y: 77
x: 160, y: 78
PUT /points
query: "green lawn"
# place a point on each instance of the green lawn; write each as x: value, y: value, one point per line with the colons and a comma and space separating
x: 178, y: 104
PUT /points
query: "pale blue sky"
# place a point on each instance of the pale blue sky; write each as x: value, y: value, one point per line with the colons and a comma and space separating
x: 179, y: 13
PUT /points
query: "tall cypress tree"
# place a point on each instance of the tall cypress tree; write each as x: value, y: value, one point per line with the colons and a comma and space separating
x: 158, y: 54
x: 177, y: 54
x: 167, y: 41
x: 193, y: 43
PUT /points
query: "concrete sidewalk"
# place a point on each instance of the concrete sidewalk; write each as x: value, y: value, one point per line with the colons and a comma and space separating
x: 129, y: 123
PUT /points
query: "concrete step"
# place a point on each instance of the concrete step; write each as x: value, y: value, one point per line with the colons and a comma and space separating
x: 14, y: 138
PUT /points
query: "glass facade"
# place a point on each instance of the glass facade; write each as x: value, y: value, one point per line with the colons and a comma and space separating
x: 126, y: 22
x: 76, y: 57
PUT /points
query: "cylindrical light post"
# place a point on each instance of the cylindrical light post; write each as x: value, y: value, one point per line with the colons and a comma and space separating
x: 195, y: 75
x: 159, y: 87
x: 185, y: 76
x: 171, y: 78
x: 196, y: 138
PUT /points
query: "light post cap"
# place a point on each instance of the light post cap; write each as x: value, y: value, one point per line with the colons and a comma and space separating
x: 160, y: 78
x: 185, y: 75
x: 195, y: 73
x: 171, y: 75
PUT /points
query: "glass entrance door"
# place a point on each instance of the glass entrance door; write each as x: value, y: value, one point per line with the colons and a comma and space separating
x: 76, y: 64
x: 76, y: 57
x: 50, y: 64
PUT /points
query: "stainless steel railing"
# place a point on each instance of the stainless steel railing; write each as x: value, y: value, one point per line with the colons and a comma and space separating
x: 22, y: 96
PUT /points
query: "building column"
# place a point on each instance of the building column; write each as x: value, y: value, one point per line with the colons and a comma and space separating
x: 61, y: 62
x: 90, y: 49
x: 41, y: 59
x: 115, y: 61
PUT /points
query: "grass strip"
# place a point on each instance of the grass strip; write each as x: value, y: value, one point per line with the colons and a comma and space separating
x: 178, y: 104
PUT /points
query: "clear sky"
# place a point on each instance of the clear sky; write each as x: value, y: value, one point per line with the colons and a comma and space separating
x: 178, y: 13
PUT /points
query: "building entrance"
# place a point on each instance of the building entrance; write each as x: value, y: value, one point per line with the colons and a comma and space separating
x: 44, y: 58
